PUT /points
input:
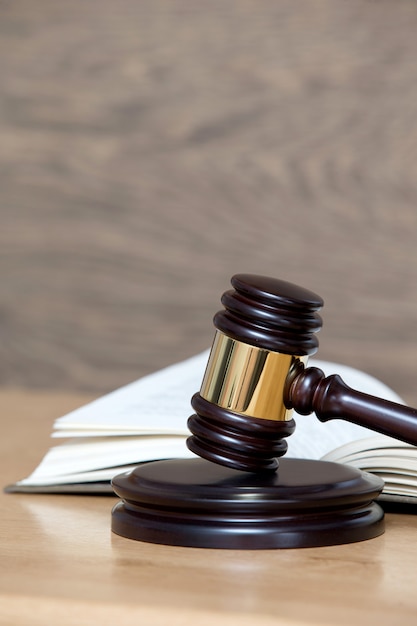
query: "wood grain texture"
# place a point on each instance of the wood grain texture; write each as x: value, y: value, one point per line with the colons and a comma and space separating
x: 150, y: 150
x: 61, y: 564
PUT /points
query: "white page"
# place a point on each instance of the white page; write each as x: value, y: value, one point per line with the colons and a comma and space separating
x: 71, y: 462
x: 157, y: 403
x: 160, y: 403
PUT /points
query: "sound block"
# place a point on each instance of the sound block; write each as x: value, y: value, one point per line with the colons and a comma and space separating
x: 193, y: 502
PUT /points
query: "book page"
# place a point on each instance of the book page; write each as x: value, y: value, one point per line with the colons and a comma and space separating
x: 98, y: 459
x: 136, y: 423
x: 160, y: 403
x: 155, y: 404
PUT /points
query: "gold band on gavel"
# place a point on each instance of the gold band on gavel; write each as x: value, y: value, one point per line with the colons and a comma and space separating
x: 248, y: 380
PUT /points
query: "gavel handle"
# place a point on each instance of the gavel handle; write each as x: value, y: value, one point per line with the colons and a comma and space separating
x: 330, y: 398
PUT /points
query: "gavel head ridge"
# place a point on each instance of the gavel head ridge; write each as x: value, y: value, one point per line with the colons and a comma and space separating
x: 264, y: 336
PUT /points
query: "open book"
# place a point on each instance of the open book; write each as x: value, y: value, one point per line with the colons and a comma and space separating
x: 147, y: 420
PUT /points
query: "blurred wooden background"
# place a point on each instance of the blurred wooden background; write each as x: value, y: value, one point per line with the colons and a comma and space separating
x: 150, y: 149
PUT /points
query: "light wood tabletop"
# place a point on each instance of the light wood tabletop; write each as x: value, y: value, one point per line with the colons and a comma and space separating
x: 60, y: 563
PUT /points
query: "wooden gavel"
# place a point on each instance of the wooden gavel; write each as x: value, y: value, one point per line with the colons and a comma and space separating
x: 256, y: 376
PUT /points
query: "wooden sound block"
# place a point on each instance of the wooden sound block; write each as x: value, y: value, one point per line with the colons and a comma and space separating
x: 194, y: 502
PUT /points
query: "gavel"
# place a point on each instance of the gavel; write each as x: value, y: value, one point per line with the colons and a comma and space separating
x: 257, y: 375
x: 235, y: 493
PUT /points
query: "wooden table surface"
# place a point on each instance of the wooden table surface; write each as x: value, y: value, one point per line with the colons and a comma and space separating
x: 151, y: 149
x: 61, y: 564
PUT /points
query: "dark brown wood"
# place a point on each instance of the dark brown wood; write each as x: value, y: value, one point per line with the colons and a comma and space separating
x: 196, y: 503
x: 330, y: 398
x: 234, y: 440
x: 271, y: 313
x: 210, y: 502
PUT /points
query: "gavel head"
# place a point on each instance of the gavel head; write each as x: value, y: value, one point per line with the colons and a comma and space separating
x: 264, y: 336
